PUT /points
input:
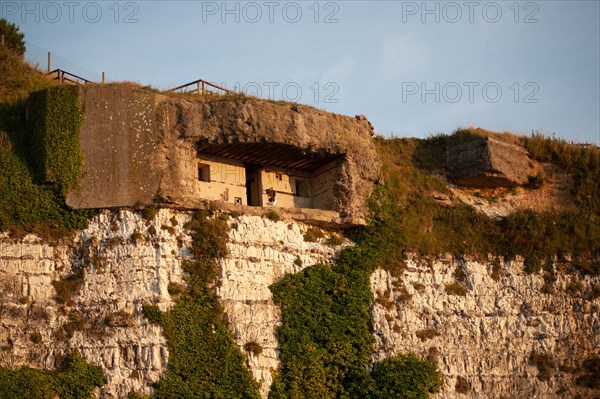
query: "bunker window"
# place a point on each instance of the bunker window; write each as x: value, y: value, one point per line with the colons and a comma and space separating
x: 203, y: 172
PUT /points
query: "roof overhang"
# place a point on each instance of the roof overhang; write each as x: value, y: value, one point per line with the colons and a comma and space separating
x: 270, y: 154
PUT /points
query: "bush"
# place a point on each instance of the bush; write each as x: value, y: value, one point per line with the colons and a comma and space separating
x: 13, y: 38
x: 462, y: 385
x: 427, y: 333
x: 334, y: 240
x: 273, y: 216
x: 45, y: 211
x: 35, y: 337
x: 591, y: 373
x: 204, y: 360
x: 149, y: 213
x: 152, y: 313
x: 313, y: 234
x: 75, y: 379
x: 253, y: 347
x: 405, y: 376
x: 535, y: 182
x: 65, y: 289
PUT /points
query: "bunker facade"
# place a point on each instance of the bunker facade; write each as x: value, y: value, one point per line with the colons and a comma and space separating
x: 141, y: 147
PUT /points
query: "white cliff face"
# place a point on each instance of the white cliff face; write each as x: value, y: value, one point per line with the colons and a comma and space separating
x: 126, y: 262
x: 487, y: 336
x: 260, y: 253
x: 104, y: 317
x: 484, y: 337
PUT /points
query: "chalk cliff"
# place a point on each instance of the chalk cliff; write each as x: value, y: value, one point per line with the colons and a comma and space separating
x: 482, y: 340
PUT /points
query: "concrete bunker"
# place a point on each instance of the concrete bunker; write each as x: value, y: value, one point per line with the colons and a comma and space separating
x: 241, y: 154
x: 268, y: 174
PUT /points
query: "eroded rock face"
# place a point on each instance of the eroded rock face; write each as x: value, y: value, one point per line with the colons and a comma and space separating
x: 489, y: 163
x: 127, y: 262
x: 487, y: 336
x: 142, y: 147
x: 483, y: 339
x: 261, y: 252
x: 103, y: 316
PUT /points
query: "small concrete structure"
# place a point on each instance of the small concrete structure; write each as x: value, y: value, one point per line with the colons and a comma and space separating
x: 141, y: 147
x: 489, y: 163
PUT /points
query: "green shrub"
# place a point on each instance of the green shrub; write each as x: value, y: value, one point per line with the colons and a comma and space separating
x: 408, y: 219
x: 65, y: 289
x: 177, y: 289
x: 325, y: 338
x: 152, y: 313
x: 204, y: 360
x: 334, y: 240
x: 405, y: 376
x: 253, y: 347
x: 135, y: 395
x: 13, y: 38
x: 272, y: 215
x: 44, y: 212
x: 76, y: 379
x: 313, y: 234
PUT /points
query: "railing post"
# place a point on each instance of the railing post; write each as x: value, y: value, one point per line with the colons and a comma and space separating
x: 49, y: 62
x: 203, y: 88
x: 2, y: 40
x: 102, y: 77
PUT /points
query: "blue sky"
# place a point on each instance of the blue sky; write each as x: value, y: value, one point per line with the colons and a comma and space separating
x: 413, y: 68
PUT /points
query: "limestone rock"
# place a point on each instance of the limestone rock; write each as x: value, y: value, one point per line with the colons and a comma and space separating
x: 104, y: 320
x: 487, y: 336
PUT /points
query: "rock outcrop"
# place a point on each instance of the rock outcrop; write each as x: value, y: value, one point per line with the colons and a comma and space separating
x: 489, y: 163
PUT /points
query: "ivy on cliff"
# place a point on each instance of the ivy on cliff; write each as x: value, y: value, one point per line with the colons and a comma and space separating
x: 326, y: 341
x: 204, y: 361
x: 25, y: 204
x: 54, y: 120
x: 76, y: 379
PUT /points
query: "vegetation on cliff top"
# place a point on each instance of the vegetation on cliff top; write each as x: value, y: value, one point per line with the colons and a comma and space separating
x: 408, y: 218
x: 26, y: 204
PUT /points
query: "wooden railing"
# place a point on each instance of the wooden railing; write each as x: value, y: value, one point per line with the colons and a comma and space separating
x: 202, y: 87
x: 67, y: 77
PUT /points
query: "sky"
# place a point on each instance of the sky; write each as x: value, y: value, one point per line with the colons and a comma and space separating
x: 414, y: 68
